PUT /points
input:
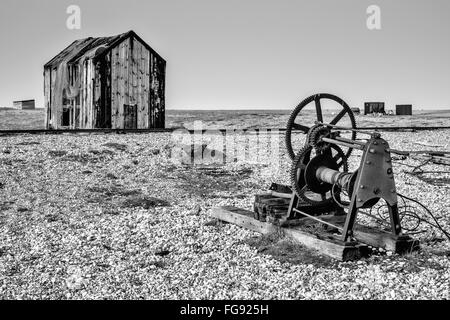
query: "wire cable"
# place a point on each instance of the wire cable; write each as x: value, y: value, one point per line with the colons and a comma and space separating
x: 437, y: 224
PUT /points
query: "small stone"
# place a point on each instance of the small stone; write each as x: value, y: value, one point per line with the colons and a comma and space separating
x: 212, y: 223
x: 155, y: 152
x: 196, y: 211
x: 75, y: 281
x: 162, y: 253
x: 111, y: 176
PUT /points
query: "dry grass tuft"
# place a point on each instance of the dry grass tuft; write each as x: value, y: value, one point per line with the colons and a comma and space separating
x: 286, y: 250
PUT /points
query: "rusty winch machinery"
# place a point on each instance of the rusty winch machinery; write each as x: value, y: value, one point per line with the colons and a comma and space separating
x: 337, y: 173
x: 320, y: 174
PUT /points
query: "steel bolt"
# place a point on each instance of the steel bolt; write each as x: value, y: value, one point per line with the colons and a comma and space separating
x: 362, y: 187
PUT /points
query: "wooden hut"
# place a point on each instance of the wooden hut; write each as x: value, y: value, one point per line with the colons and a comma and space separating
x: 24, y: 105
x: 374, y: 107
x: 403, y: 110
x: 113, y: 82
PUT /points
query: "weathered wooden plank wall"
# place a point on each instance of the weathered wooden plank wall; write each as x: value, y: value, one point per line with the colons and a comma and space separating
x: 47, y: 97
x: 157, y: 92
x: 151, y: 94
x: 88, y: 102
x: 108, y: 93
x: 87, y: 117
x: 83, y: 94
x: 98, y: 104
x: 162, y: 95
x: 132, y: 101
x: 102, y: 92
x: 146, y: 84
x: 114, y: 86
x: 119, y: 80
x: 54, y: 110
x: 141, y: 82
x: 126, y: 80
x: 130, y: 79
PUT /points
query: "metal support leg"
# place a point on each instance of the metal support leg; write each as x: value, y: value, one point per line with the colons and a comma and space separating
x: 293, y: 205
x: 350, y: 221
x: 395, y: 219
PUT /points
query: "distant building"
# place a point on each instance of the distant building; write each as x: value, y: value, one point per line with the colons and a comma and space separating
x: 113, y: 82
x: 24, y: 105
x: 356, y: 110
x: 374, y: 107
x: 403, y: 110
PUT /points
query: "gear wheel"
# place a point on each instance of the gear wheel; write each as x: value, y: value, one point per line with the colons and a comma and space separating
x: 315, y: 134
x: 303, y: 126
x: 297, y: 175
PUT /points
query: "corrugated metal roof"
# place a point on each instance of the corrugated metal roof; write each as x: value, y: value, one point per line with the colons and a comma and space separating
x: 68, y: 52
x: 96, y: 43
x: 80, y: 48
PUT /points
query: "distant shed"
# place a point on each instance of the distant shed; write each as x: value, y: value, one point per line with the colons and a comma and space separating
x: 24, y: 105
x: 374, y: 107
x: 356, y: 110
x: 113, y: 82
x: 403, y: 110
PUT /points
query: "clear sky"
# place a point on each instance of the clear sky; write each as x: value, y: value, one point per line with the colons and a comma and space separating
x: 249, y: 54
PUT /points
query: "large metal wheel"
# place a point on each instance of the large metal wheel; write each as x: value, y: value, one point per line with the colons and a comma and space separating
x: 303, y: 122
x: 299, y: 179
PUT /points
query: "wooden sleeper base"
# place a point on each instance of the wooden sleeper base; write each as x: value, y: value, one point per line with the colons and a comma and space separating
x: 330, y: 247
x: 324, y: 243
